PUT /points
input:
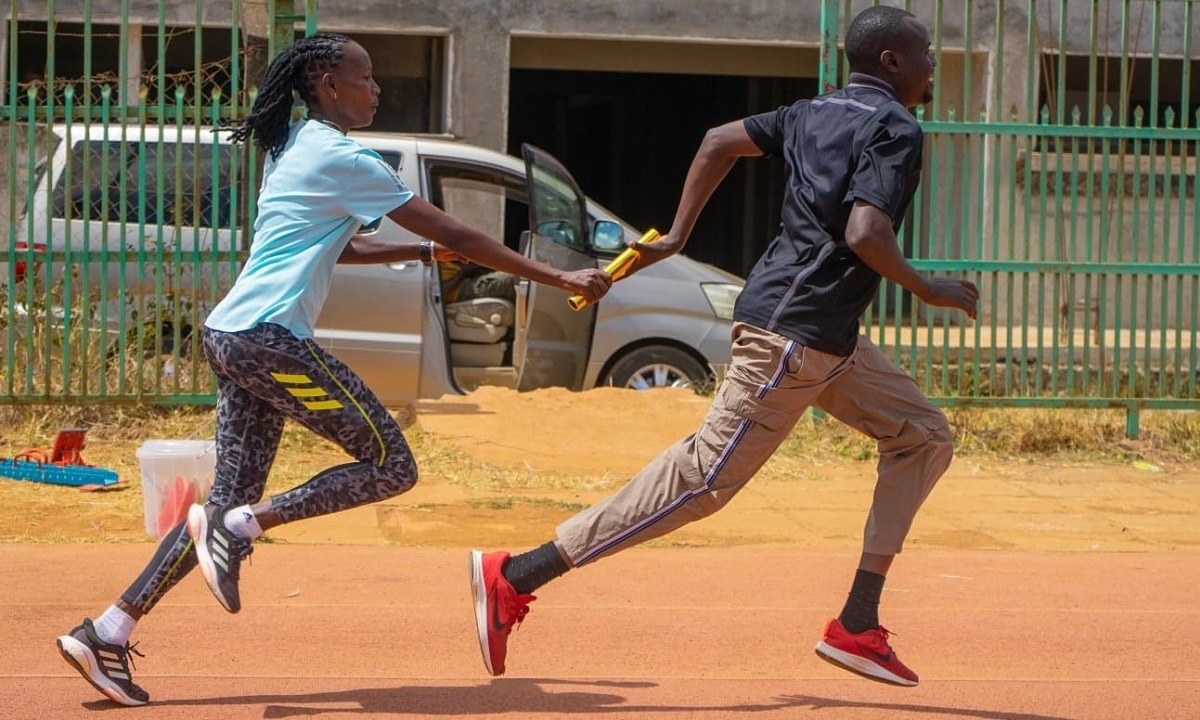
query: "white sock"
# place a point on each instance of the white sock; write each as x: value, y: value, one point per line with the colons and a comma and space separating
x: 114, y: 626
x: 241, y: 522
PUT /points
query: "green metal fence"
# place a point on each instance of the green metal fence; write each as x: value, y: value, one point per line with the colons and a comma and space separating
x: 1060, y: 176
x: 126, y: 216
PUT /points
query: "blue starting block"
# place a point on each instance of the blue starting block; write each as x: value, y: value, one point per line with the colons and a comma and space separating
x: 73, y: 475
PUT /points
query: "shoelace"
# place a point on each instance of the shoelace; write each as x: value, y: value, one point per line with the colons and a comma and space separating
x: 881, y: 635
x: 125, y: 654
x: 518, y: 607
x: 241, y: 549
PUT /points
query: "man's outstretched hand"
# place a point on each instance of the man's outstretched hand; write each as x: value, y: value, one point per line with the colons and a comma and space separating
x: 952, y: 293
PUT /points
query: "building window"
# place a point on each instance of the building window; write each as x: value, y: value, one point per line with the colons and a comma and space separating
x: 410, y: 73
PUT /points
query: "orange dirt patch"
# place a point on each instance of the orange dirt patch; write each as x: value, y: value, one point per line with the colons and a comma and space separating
x: 508, y: 466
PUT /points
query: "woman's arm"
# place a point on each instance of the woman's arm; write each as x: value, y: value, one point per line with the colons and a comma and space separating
x: 365, y: 250
x: 370, y: 250
x: 424, y: 219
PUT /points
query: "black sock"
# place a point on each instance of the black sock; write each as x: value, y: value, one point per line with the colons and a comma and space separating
x: 861, y: 612
x: 531, y: 570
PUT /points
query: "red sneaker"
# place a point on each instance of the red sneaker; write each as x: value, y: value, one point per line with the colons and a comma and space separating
x: 498, y: 607
x: 866, y: 653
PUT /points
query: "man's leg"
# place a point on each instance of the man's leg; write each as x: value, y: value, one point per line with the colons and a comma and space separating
x: 915, y: 447
x: 770, y: 383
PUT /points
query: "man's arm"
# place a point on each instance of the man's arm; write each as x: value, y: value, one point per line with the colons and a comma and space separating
x: 720, y: 149
x: 870, y: 235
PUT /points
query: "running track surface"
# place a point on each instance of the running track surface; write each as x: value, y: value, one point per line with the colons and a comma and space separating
x: 387, y: 632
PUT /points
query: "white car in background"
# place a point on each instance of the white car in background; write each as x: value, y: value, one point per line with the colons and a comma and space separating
x: 666, y: 326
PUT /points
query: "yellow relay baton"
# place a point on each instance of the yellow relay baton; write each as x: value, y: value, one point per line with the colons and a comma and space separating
x: 618, y: 267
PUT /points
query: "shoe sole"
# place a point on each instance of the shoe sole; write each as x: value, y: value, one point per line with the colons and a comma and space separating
x: 197, y: 524
x: 860, y: 666
x: 80, y: 657
x: 479, y: 591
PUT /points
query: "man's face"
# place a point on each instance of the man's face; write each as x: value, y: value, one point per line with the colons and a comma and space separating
x: 912, y: 66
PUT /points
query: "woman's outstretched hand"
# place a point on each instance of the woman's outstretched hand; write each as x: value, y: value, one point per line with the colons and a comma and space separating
x: 592, y: 283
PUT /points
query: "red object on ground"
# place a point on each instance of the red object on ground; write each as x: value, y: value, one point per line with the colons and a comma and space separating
x: 180, y: 496
x: 20, y: 267
x: 65, y: 454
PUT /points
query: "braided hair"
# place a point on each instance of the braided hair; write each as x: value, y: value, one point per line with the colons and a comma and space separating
x: 293, y: 70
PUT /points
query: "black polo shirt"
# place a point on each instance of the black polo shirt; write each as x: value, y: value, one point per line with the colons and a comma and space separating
x: 857, y: 143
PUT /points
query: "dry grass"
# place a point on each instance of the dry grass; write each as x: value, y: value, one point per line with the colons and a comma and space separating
x: 33, y: 512
x: 1055, y: 435
x: 29, y: 511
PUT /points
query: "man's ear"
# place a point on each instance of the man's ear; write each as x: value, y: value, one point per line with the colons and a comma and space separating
x: 888, y: 61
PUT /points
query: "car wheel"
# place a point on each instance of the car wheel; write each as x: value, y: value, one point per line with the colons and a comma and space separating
x: 658, y: 366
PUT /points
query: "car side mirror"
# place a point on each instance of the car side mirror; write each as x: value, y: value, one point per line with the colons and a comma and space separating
x: 608, y: 235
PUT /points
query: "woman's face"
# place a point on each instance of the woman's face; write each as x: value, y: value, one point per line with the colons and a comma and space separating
x: 350, y: 94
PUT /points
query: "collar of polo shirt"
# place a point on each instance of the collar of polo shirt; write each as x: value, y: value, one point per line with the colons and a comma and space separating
x: 864, y: 80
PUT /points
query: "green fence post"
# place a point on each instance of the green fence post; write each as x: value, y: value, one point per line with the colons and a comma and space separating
x: 1131, y: 421
x: 830, y: 21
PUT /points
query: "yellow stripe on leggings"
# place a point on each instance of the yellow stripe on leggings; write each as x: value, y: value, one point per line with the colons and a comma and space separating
x: 287, y: 379
x: 378, y: 437
x: 170, y: 573
x: 323, y: 404
x: 307, y: 392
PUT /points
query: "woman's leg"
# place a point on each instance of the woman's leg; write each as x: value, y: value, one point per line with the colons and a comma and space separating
x: 299, y: 379
x: 248, y: 433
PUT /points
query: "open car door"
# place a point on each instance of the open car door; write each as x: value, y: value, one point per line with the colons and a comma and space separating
x: 552, y: 341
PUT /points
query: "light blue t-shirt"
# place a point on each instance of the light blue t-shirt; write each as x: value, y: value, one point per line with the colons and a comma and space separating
x: 323, y: 187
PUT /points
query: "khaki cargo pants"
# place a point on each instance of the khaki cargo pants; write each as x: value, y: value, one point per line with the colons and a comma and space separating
x: 771, y: 382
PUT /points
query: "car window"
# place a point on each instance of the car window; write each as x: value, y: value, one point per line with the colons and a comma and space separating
x: 559, y: 208
x: 193, y: 195
x: 491, y: 201
x: 39, y: 171
x: 391, y: 157
x: 182, y: 175
x: 97, y: 172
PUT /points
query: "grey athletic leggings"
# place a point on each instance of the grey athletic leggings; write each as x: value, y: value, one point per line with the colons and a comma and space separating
x: 264, y: 376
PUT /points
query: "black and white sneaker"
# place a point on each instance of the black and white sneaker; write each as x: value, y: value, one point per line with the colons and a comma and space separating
x: 104, y: 665
x: 219, y: 551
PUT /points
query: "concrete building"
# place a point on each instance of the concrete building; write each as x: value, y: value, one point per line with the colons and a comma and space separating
x: 622, y: 90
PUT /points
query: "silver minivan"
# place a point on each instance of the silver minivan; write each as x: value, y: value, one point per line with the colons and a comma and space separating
x: 393, y: 324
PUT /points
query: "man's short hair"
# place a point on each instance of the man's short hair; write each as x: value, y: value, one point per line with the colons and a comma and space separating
x: 871, y: 32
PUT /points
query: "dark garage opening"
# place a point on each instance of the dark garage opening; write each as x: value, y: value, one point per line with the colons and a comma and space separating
x: 628, y: 139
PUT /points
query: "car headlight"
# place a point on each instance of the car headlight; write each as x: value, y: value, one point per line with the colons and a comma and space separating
x: 721, y: 296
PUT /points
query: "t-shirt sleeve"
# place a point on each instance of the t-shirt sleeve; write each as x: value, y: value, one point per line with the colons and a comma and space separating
x: 768, y: 130
x: 372, y: 188
x: 886, y: 167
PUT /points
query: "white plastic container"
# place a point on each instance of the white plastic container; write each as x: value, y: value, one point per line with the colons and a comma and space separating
x: 175, y: 474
